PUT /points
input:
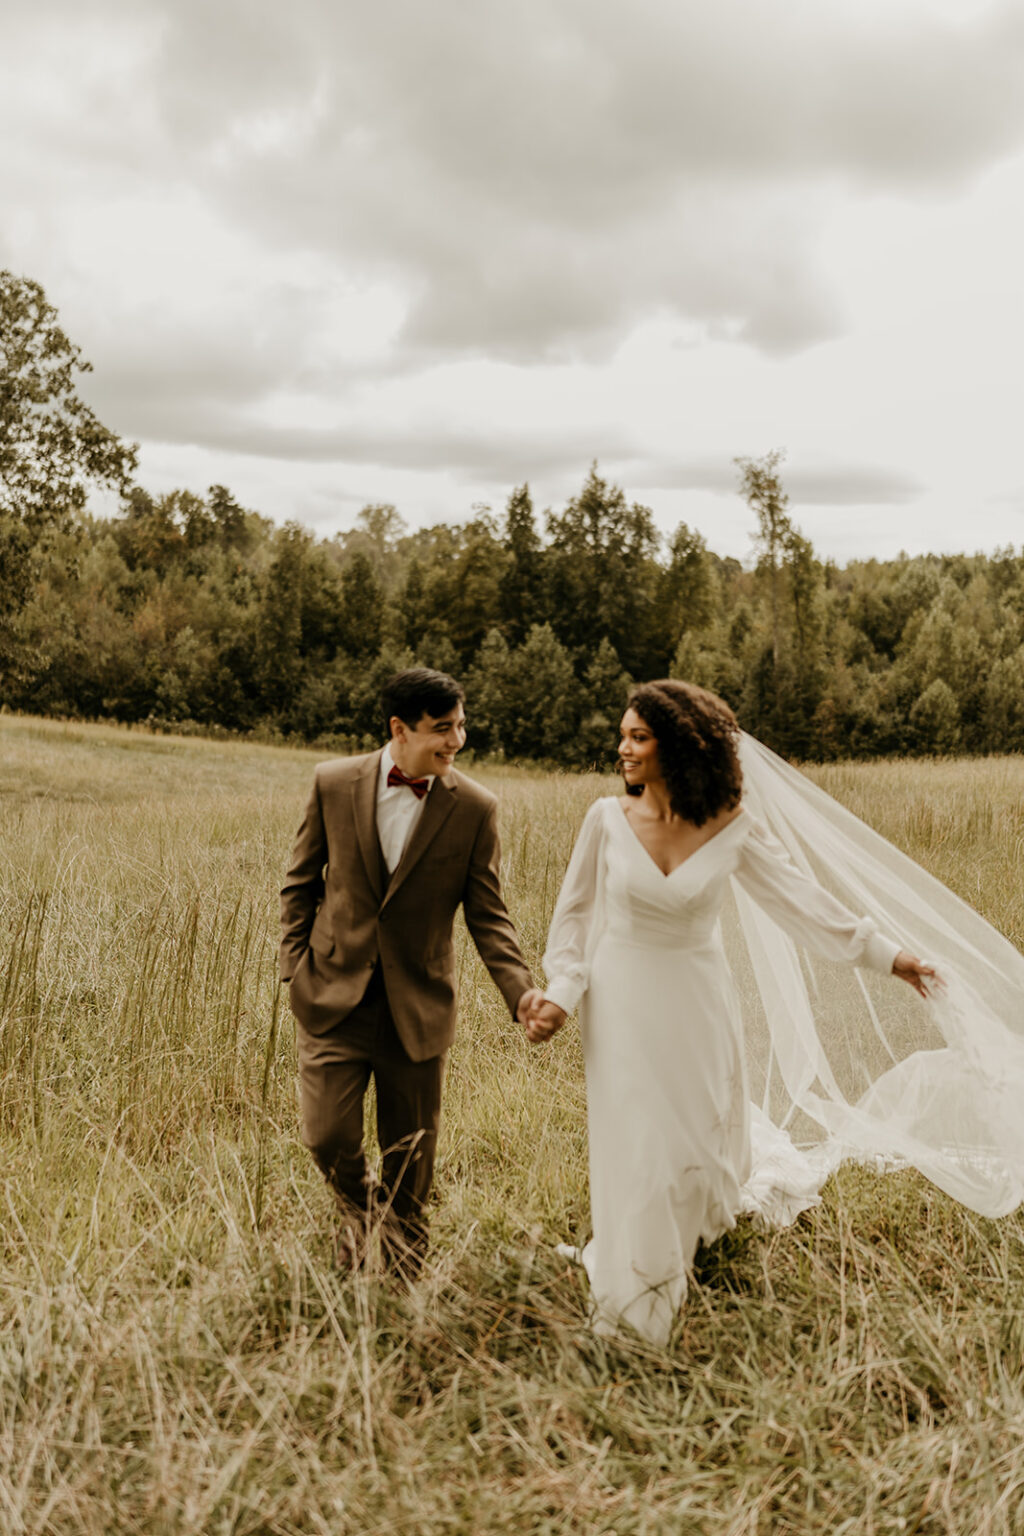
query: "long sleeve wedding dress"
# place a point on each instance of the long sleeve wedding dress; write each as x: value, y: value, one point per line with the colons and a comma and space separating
x: 668, y: 1104
x: 703, y: 987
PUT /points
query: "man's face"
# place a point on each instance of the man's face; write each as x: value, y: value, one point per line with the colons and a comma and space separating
x: 431, y: 745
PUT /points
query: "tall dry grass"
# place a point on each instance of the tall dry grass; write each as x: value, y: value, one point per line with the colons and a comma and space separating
x: 177, y: 1353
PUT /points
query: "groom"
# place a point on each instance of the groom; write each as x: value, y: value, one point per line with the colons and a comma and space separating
x: 391, y: 844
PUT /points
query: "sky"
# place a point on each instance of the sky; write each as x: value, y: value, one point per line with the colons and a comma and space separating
x: 422, y: 251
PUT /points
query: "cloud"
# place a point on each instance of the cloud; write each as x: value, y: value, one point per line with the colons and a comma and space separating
x: 467, y: 454
x: 852, y: 485
x: 255, y: 213
x: 539, y: 177
x: 837, y: 484
x: 208, y: 354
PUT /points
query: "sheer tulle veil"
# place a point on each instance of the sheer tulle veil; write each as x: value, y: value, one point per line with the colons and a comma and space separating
x: 851, y: 1064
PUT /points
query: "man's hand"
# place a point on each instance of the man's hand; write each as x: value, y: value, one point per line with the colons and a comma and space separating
x: 528, y: 1001
x: 543, y: 1020
x: 916, y: 973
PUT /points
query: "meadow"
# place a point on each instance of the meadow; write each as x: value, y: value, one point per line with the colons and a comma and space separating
x: 178, y: 1353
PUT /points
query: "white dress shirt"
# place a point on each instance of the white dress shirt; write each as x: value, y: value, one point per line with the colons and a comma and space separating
x: 398, y: 811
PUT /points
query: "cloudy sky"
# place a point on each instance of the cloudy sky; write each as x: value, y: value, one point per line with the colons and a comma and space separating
x: 419, y: 251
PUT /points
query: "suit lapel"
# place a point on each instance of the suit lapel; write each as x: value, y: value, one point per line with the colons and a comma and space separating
x: 364, y: 805
x: 439, y: 806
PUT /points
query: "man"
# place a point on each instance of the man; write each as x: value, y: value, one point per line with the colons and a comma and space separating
x: 390, y: 845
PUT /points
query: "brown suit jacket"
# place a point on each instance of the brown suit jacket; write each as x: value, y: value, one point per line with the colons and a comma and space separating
x: 341, y: 913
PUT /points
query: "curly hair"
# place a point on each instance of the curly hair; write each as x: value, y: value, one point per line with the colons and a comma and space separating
x: 696, y: 733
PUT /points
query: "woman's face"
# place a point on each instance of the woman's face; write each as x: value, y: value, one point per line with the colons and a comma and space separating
x: 638, y: 750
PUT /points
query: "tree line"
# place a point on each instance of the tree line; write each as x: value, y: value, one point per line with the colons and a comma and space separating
x: 194, y: 613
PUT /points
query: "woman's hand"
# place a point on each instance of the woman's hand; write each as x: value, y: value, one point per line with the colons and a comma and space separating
x: 916, y: 973
x: 544, y: 1020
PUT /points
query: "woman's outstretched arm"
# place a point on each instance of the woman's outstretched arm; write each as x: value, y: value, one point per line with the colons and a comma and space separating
x: 814, y: 918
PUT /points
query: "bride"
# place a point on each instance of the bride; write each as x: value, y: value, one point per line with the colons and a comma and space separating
x: 709, y: 960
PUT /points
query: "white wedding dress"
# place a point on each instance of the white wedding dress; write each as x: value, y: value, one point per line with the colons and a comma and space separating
x: 668, y: 1104
x: 746, y: 974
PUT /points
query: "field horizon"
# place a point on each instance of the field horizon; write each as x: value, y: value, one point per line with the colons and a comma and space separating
x: 179, y: 1353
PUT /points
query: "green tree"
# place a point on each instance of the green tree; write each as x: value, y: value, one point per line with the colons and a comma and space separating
x: 198, y: 524
x: 476, y: 581
x: 383, y: 525
x: 487, y: 694
x: 280, y: 670
x: 321, y: 704
x: 149, y: 533
x: 232, y: 522
x: 688, y: 596
x: 412, y: 608
x: 428, y: 596
x: 377, y: 533
x: 603, y: 576
x: 956, y: 640
x: 935, y: 720
x: 697, y: 660
x: 18, y: 659
x: 541, y: 706
x: 761, y: 485
x: 522, y: 594
x: 805, y: 669
x: 1004, y: 704
x: 52, y: 449
x: 362, y: 608
x: 52, y: 446
x: 606, y: 685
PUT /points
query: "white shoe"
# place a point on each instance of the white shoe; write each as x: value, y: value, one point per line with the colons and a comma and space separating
x: 567, y: 1251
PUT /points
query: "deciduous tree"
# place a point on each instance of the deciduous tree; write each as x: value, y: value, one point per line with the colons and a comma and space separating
x: 761, y: 484
x: 52, y: 446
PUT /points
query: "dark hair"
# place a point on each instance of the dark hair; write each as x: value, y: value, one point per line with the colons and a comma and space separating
x: 416, y: 692
x: 696, y: 733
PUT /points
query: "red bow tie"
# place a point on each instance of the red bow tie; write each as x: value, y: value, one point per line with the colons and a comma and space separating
x: 419, y: 787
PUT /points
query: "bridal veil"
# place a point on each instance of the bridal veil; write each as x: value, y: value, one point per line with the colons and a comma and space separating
x: 852, y: 1064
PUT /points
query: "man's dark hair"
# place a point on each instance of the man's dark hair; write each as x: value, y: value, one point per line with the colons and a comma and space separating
x: 417, y: 692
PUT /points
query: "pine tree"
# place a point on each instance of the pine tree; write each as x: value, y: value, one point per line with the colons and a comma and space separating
x: 487, y: 707
x: 522, y: 594
x: 362, y: 609
x: 541, y: 698
x: 603, y: 697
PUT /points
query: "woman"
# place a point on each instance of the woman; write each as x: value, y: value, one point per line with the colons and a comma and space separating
x: 676, y: 1149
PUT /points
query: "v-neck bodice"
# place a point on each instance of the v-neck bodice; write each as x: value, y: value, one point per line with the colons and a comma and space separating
x: 666, y: 874
x: 649, y: 907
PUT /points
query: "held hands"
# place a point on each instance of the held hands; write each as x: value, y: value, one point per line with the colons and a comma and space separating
x: 540, y: 1018
x: 916, y: 973
x: 543, y: 1021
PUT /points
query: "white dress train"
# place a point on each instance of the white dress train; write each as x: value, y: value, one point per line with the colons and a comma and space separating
x: 676, y: 1149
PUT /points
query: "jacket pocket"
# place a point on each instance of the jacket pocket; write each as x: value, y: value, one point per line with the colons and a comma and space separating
x: 320, y: 939
x: 439, y: 963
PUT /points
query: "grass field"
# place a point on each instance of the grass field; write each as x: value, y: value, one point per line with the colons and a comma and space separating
x: 177, y: 1354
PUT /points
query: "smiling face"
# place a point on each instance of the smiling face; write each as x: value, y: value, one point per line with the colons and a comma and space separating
x: 429, y: 747
x: 638, y: 751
